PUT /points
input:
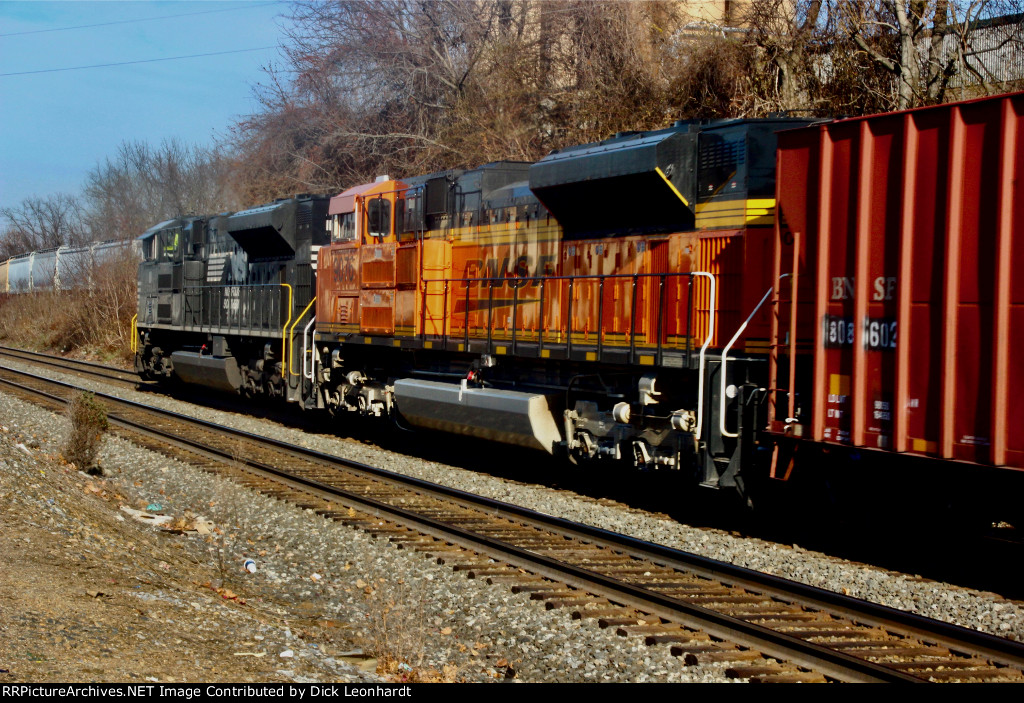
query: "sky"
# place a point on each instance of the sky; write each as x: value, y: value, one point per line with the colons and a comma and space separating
x: 56, y: 125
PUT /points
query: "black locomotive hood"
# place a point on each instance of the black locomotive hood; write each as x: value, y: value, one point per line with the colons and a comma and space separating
x: 266, y: 231
x: 634, y: 182
x: 279, y: 230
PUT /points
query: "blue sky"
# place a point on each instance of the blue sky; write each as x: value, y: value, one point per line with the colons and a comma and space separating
x: 55, y: 126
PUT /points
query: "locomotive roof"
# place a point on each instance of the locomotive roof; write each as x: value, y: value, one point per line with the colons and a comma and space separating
x: 346, y: 200
x: 151, y: 232
x: 628, y: 139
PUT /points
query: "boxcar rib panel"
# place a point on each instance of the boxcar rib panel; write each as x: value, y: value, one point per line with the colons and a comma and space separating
x: 917, y: 315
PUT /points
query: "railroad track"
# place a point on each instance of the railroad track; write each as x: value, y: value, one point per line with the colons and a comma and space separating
x: 767, y: 629
x: 109, y: 374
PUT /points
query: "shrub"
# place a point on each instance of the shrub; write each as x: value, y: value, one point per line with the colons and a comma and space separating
x: 398, y: 632
x: 94, y: 319
x: 88, y: 423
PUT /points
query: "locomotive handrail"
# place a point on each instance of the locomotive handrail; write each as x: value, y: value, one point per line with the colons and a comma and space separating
x: 505, y: 279
x: 305, y: 350
x: 284, y: 337
x: 525, y: 280
x: 703, y: 350
x: 291, y: 335
x: 725, y: 355
x: 215, y: 313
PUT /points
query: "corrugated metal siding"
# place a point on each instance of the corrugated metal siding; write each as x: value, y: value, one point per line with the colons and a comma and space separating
x: 917, y: 316
x: 995, y: 50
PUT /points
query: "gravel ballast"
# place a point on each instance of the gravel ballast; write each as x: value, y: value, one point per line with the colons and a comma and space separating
x: 978, y: 610
x: 394, y: 603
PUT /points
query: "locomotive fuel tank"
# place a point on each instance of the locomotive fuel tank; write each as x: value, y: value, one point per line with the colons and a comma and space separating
x: 509, y: 417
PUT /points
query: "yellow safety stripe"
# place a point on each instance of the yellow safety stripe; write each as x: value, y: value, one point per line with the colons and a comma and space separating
x: 754, y: 212
x: 669, y: 183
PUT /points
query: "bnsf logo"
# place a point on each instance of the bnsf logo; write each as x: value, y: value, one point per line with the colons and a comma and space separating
x: 522, y: 268
x: 884, y: 288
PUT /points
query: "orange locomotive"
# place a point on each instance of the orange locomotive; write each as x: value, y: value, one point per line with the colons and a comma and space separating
x: 578, y: 304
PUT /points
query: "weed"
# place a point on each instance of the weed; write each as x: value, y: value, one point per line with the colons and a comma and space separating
x: 88, y: 423
x: 398, y: 632
x: 230, y: 539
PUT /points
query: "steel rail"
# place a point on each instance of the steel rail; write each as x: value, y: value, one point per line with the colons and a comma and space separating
x: 772, y: 643
x: 89, y: 367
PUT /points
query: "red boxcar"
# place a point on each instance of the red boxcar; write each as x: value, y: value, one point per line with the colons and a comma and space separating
x: 899, y: 252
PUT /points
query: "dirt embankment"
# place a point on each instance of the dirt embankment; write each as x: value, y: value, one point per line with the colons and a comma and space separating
x: 88, y: 594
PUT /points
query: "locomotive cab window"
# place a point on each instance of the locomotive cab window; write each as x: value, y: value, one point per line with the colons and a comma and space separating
x: 169, y: 245
x: 149, y: 248
x: 399, y: 215
x: 378, y: 215
x: 412, y: 219
x: 344, y: 227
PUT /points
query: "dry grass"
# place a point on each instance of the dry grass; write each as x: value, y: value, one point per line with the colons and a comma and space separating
x: 95, y: 321
x: 398, y: 632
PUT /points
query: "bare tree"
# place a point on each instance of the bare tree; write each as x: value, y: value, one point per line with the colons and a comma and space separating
x: 789, y: 37
x: 375, y: 88
x: 407, y: 86
x: 142, y: 185
x: 714, y: 77
x: 42, y: 223
x: 924, y: 44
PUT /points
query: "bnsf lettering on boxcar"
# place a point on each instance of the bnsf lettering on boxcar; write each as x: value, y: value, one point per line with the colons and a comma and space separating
x: 903, y: 235
x: 884, y: 288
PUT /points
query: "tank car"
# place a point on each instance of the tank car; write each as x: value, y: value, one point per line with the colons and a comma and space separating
x: 98, y: 257
x: 44, y: 269
x: 76, y: 266
x: 19, y: 273
x: 62, y: 268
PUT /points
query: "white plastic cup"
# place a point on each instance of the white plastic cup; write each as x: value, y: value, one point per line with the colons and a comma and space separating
x: 250, y: 566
